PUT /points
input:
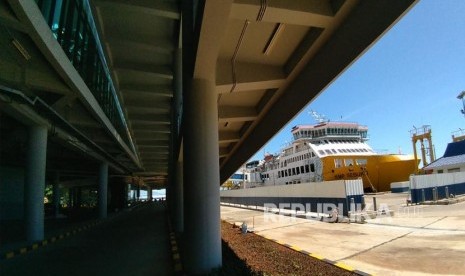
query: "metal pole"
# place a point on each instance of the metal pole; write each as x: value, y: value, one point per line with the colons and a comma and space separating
x: 374, y: 204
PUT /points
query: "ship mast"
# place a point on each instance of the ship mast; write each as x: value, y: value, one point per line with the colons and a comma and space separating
x: 319, y: 118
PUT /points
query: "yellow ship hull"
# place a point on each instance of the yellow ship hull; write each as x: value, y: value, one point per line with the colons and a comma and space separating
x: 377, y: 171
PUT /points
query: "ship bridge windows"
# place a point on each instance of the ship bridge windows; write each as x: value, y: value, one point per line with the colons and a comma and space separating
x: 337, y: 163
x: 348, y: 162
x: 328, y: 151
x: 361, y: 162
x: 321, y: 152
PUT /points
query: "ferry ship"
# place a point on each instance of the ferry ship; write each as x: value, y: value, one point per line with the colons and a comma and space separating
x: 329, y: 151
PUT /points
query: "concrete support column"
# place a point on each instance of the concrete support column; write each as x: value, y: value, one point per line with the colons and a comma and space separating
x: 149, y: 193
x: 56, y: 195
x: 103, y: 190
x: 35, y: 183
x: 138, y: 193
x: 201, y: 174
x: 178, y: 219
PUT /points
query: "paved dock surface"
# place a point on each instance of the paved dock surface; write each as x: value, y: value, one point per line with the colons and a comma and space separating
x: 417, y: 240
x: 133, y: 243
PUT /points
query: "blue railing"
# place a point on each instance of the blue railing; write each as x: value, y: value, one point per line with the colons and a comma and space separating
x: 72, y: 25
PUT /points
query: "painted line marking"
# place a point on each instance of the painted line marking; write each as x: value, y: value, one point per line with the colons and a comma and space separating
x: 316, y: 256
x: 45, y: 242
x: 10, y: 255
x: 35, y: 246
x: 176, y: 256
x: 344, y: 266
x: 22, y: 250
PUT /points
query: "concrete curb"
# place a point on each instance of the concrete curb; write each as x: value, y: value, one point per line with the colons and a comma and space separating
x: 53, y: 239
x: 178, y: 269
x: 318, y: 257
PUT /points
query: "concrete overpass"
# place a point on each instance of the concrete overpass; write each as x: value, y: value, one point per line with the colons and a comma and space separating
x: 162, y: 94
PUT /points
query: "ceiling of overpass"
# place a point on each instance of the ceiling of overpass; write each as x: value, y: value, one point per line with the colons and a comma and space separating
x: 269, y: 57
x: 140, y: 38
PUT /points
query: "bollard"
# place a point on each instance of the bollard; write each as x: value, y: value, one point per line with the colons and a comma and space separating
x: 374, y: 204
x: 244, y: 228
x: 423, y: 199
x: 435, y: 198
x: 447, y: 192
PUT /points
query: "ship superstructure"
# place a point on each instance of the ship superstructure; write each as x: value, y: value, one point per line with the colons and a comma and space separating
x: 330, y: 151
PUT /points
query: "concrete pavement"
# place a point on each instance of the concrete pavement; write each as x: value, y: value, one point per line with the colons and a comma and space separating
x: 417, y: 240
x: 134, y: 243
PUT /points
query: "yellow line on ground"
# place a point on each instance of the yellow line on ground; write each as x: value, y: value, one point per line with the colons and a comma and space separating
x: 176, y: 256
x: 35, y: 246
x: 295, y: 248
x: 316, y: 256
x: 23, y: 250
x: 10, y: 255
x: 344, y: 266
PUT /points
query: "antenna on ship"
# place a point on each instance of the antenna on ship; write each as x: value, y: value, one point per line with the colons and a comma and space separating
x: 319, y: 118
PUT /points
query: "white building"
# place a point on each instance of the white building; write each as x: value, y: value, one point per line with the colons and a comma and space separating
x: 452, y: 161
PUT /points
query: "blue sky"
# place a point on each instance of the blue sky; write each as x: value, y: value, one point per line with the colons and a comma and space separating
x: 409, y: 77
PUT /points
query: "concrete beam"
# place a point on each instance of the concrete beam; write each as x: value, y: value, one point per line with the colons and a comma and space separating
x: 155, y: 8
x: 150, y: 71
x: 236, y: 114
x: 146, y: 90
x: 211, y: 35
x: 317, y: 13
x: 228, y: 137
x: 150, y: 136
x: 249, y: 76
x: 159, y: 45
x: 155, y: 118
